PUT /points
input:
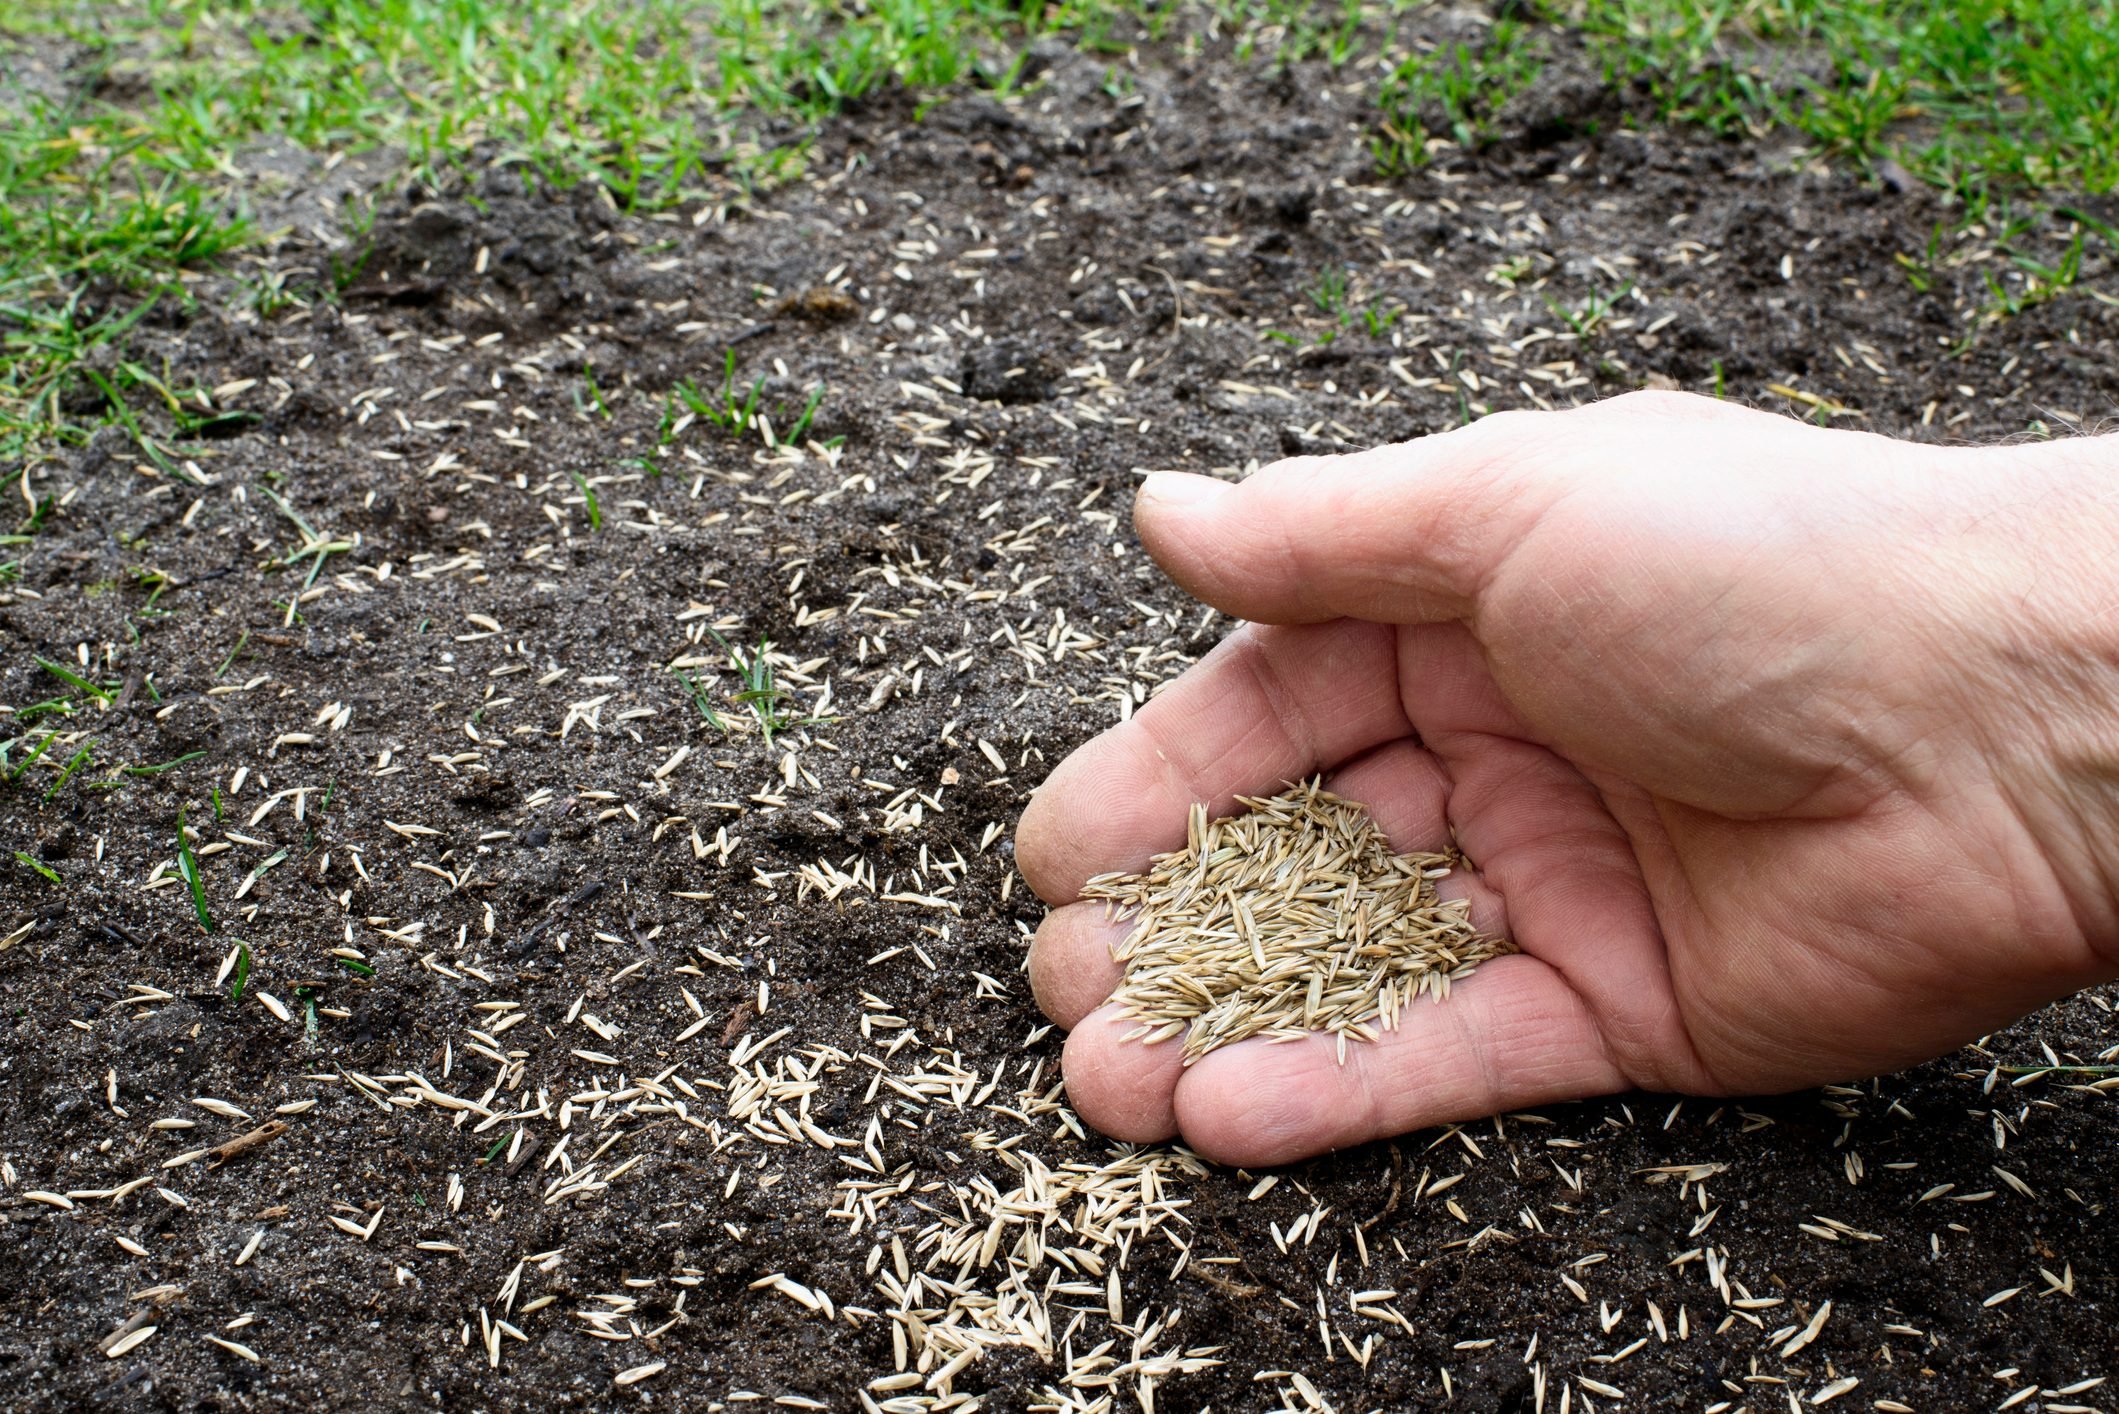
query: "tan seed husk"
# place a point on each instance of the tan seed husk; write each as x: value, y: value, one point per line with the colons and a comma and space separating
x: 1291, y: 918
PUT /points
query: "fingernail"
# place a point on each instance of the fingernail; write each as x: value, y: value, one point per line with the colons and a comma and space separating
x: 1181, y: 489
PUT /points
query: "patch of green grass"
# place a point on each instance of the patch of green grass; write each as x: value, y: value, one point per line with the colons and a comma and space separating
x: 87, y: 207
x: 725, y: 408
x: 1289, y: 31
x: 1329, y: 291
x: 105, y: 205
x: 1379, y: 318
x: 2031, y: 281
x: 1590, y: 315
x: 1453, y: 93
x: 1983, y: 98
x: 735, y: 410
x: 109, y: 206
x: 760, y: 692
x: 1333, y: 295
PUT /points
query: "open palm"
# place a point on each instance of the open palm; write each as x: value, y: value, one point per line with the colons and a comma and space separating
x: 1703, y: 695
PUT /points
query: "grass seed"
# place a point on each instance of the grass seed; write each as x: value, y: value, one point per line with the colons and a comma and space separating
x: 1293, y: 917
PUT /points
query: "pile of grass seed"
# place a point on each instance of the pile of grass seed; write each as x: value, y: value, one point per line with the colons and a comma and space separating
x: 1292, y: 918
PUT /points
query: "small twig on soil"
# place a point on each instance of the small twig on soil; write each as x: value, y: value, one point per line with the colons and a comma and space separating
x: 1390, y: 1204
x: 265, y: 1133
x: 139, y: 1318
x: 1177, y: 301
x: 1228, y: 1287
x: 738, y: 1021
x: 558, y: 908
x: 133, y: 680
x: 146, y: 1315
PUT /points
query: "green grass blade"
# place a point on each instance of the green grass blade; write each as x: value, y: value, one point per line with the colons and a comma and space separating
x: 188, y: 867
x: 43, y: 744
x: 47, y: 871
x: 588, y: 498
x: 165, y: 766
x: 74, y: 679
x: 81, y: 758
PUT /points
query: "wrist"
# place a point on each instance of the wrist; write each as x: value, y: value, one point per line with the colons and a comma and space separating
x: 2050, y: 631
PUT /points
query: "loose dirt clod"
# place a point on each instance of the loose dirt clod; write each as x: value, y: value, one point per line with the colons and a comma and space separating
x: 1293, y: 918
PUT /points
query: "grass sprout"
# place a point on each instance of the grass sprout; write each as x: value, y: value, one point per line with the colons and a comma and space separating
x: 188, y: 869
x: 40, y: 866
x: 704, y: 703
x: 228, y: 662
x: 80, y: 758
x: 314, y: 548
x: 1591, y: 315
x: 760, y: 692
x: 75, y: 680
x: 588, y: 499
x: 43, y: 745
x: 734, y: 409
x: 169, y: 765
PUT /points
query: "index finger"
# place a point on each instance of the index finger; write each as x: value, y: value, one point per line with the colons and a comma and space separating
x: 1266, y: 707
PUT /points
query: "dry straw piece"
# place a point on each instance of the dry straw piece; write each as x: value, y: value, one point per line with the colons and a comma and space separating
x: 1295, y: 917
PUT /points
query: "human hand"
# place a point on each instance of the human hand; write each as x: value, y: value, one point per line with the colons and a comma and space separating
x: 1784, y: 755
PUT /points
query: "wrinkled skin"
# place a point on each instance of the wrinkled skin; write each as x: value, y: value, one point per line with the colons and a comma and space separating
x: 1784, y: 755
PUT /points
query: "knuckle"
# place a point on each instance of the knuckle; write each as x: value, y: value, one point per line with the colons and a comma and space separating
x: 1660, y: 403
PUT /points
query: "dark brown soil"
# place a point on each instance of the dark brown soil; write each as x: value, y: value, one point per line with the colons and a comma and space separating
x: 1016, y: 307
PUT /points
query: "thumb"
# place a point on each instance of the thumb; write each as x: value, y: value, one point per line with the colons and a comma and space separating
x: 1398, y: 534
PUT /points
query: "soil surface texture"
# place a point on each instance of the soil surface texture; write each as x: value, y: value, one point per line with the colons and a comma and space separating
x: 558, y: 1045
